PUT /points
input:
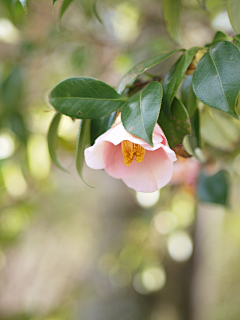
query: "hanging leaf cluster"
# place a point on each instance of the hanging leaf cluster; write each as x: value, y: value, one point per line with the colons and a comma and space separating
x: 209, y: 75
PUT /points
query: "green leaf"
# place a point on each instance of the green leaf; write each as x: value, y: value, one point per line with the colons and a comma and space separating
x: 52, y: 140
x: 213, y: 188
x: 173, y: 78
x: 85, y: 98
x: 13, y: 84
x: 64, y: 7
x: 188, y: 96
x: 171, y: 15
x: 142, y: 67
x: 178, y: 127
x: 96, y: 12
x: 216, y: 80
x: 24, y: 5
x: 140, y: 113
x: 83, y: 134
x: 219, y: 36
x: 99, y: 126
x: 194, y: 140
x: 220, y: 130
x: 54, y: 1
x: 236, y: 40
x: 18, y: 126
x: 233, y: 8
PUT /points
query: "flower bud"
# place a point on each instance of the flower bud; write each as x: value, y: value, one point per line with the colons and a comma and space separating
x: 199, y: 54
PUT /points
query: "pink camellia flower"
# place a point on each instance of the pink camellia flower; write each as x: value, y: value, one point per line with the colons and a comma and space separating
x: 127, y: 157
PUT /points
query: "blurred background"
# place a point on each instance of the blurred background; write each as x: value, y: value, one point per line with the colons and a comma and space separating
x: 68, y: 251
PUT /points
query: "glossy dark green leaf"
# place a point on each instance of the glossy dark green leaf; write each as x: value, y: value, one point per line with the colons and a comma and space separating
x: 171, y: 15
x: 96, y: 12
x: 52, y: 140
x: 213, y: 188
x: 216, y: 80
x: 99, y: 126
x: 173, y: 78
x: 188, y: 96
x: 65, y: 5
x: 85, y: 98
x: 83, y: 137
x: 142, y: 67
x: 140, y: 113
x: 178, y: 126
x: 233, y: 8
x: 236, y: 40
x: 24, y: 5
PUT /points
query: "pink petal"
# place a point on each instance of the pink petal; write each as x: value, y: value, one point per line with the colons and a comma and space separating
x: 118, y: 134
x: 154, y: 172
x: 100, y: 155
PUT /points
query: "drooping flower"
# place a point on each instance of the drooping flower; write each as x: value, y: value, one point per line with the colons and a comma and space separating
x: 124, y: 156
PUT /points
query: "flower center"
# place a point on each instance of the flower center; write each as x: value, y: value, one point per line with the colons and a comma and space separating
x: 132, y: 151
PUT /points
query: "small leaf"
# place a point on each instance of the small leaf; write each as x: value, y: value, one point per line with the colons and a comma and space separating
x: 52, y: 140
x: 219, y: 36
x: 83, y: 133
x: 194, y: 140
x: 64, y: 7
x: 85, y: 98
x: 178, y: 127
x: 188, y: 96
x: 101, y: 125
x: 233, y: 8
x: 140, y: 113
x: 54, y: 1
x: 96, y: 12
x: 213, y: 188
x: 216, y: 80
x: 24, y: 5
x: 171, y: 15
x: 173, y: 78
x: 236, y: 40
x: 142, y: 67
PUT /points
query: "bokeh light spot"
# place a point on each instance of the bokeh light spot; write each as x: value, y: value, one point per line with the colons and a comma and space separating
x: 147, y: 200
x: 154, y: 278
x: 165, y: 222
x: 8, y: 33
x: 180, y: 246
x: 13, y: 178
x: 7, y: 145
x: 38, y: 157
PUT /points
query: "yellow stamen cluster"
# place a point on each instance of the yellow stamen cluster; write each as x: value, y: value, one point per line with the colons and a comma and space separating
x: 132, y: 151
